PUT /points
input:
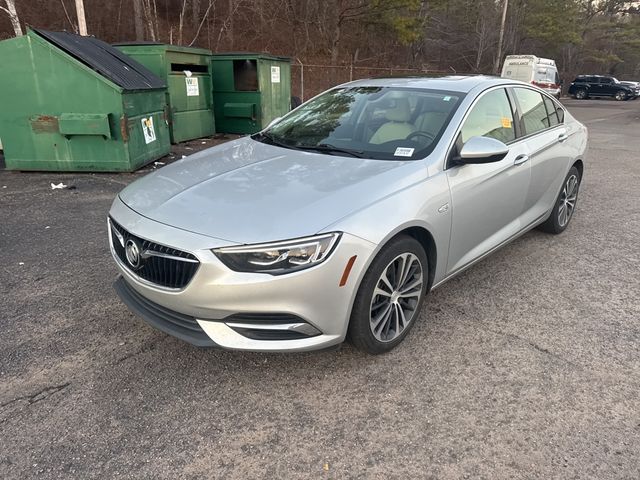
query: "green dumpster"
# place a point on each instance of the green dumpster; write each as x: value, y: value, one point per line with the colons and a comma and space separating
x: 249, y: 90
x: 72, y: 103
x: 187, y: 72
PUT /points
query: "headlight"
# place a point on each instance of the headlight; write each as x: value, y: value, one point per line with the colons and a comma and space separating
x: 280, y: 257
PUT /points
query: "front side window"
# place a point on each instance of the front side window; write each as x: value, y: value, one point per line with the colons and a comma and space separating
x: 385, y: 123
x: 490, y: 117
x: 532, y: 110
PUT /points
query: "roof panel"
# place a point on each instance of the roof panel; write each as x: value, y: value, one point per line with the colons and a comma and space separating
x: 104, y: 59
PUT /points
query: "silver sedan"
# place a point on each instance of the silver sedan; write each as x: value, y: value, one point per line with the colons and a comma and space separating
x: 338, y: 219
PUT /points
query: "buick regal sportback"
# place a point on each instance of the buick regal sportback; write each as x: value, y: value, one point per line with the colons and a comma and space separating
x: 338, y: 219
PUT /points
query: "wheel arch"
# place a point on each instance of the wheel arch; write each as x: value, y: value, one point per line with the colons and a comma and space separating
x: 579, y: 164
x: 428, y: 243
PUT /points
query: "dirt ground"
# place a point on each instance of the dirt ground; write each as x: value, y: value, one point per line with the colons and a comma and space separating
x: 525, y: 366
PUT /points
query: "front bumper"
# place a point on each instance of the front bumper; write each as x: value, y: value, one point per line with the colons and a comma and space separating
x: 305, y: 310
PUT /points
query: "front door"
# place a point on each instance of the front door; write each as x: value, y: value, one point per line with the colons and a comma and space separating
x: 487, y: 199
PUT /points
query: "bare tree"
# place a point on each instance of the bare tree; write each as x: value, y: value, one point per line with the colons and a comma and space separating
x: 204, y: 18
x: 82, y: 22
x: 138, y: 19
x: 13, y: 16
x: 151, y: 18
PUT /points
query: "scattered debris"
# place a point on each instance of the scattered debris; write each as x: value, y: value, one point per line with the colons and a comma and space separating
x: 325, y: 467
x: 47, y: 227
x: 184, y: 156
x: 204, y: 143
x: 188, y: 148
x: 4, y: 186
x: 59, y: 185
x: 159, y: 163
x: 20, y: 263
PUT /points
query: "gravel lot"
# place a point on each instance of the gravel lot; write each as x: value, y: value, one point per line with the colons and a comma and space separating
x: 525, y: 366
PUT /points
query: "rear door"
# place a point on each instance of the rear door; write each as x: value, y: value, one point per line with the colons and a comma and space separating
x: 542, y: 125
x: 487, y: 199
x: 595, y: 86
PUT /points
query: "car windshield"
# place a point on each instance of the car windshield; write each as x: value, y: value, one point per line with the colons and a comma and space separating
x: 370, y: 122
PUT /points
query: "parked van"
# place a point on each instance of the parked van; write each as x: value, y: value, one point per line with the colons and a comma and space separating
x: 541, y: 72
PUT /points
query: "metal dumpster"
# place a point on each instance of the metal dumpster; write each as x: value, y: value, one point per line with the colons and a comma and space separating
x: 249, y: 90
x: 187, y: 72
x: 72, y: 103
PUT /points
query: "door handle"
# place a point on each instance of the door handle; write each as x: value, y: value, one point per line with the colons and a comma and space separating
x: 520, y: 159
x: 562, y: 137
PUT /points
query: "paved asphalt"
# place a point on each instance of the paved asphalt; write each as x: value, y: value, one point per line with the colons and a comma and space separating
x: 525, y: 366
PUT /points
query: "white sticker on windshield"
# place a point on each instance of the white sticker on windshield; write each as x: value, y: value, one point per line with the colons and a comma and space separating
x: 446, y: 99
x: 403, y: 152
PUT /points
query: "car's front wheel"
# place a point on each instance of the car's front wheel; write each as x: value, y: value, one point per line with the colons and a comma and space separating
x: 565, y: 204
x: 621, y: 96
x: 390, y: 296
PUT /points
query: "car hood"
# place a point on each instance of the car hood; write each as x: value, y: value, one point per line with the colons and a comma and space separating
x: 249, y: 192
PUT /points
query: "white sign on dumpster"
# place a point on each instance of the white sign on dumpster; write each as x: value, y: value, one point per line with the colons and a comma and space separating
x: 148, y: 130
x: 275, y: 74
x: 192, y: 86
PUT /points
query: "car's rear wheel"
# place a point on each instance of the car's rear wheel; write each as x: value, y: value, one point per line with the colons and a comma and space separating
x: 620, y: 96
x: 390, y: 296
x: 581, y: 94
x: 565, y: 205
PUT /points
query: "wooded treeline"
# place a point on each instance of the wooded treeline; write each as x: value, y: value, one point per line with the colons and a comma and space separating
x: 594, y: 36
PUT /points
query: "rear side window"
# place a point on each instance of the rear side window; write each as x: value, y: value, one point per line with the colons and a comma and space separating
x: 552, y: 115
x: 490, y: 117
x: 532, y: 110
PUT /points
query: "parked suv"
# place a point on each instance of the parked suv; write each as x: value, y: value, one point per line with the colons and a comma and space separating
x: 585, y: 86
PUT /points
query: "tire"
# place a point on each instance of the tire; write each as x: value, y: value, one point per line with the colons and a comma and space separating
x: 389, y: 307
x: 557, y: 221
x: 581, y: 94
x: 620, y: 96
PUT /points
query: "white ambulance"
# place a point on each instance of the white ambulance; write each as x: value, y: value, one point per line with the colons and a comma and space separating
x: 541, y: 72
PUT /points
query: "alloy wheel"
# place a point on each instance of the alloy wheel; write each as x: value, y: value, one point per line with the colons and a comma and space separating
x: 581, y: 94
x: 620, y: 96
x: 396, y: 297
x: 568, y: 199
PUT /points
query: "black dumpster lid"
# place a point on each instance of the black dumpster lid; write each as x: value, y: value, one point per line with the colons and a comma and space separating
x: 104, y: 59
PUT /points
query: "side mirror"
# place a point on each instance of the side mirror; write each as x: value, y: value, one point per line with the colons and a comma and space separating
x: 482, y: 150
x: 273, y: 122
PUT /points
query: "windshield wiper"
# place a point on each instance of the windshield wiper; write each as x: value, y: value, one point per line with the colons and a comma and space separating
x: 328, y: 148
x: 260, y: 136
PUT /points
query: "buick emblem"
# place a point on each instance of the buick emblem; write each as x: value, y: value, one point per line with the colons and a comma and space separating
x: 132, y: 251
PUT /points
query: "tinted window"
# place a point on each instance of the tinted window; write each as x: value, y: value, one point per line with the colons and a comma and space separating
x: 490, y: 117
x: 534, y: 114
x: 606, y: 80
x: 552, y: 116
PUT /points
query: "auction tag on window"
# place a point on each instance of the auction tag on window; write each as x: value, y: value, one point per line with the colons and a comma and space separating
x: 192, y: 86
x: 403, y: 152
x: 506, y: 122
x: 148, y: 130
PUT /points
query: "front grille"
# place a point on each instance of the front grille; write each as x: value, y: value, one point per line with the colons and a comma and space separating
x: 159, y: 264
